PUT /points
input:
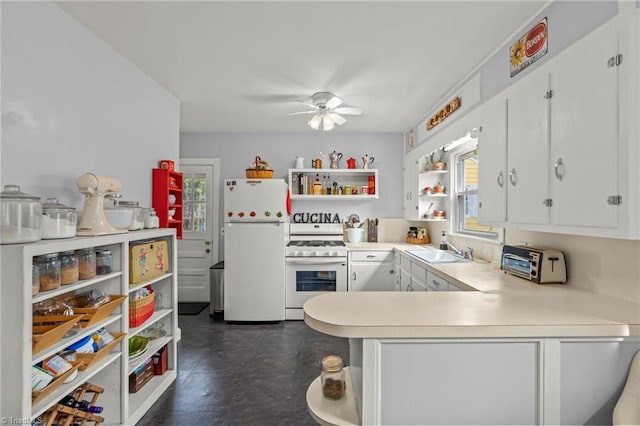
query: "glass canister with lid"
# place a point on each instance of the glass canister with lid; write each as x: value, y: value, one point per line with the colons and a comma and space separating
x: 137, y: 219
x: 49, y: 271
x: 69, y: 267
x: 151, y: 219
x: 20, y: 216
x: 86, y: 263
x: 104, y: 262
x: 35, y: 280
x: 332, y: 377
x: 58, y: 220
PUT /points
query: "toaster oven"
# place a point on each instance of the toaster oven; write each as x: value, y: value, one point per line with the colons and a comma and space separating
x: 539, y: 265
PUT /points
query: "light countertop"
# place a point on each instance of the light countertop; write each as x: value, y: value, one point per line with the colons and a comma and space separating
x: 502, y: 306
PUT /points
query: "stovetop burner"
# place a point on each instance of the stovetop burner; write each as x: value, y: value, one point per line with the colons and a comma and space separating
x: 316, y: 243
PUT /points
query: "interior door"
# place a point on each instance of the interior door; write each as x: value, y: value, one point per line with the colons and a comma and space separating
x: 198, y: 249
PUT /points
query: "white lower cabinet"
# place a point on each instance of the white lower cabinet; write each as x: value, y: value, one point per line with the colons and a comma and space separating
x: 371, y: 271
x: 533, y: 381
x: 113, y: 370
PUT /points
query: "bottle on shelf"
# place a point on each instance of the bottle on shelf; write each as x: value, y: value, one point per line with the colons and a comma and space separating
x: 371, y: 183
x: 317, y: 185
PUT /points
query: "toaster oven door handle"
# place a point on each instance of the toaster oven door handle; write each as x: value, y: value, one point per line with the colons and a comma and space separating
x: 516, y: 257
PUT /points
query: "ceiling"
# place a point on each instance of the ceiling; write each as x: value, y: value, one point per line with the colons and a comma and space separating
x: 240, y: 66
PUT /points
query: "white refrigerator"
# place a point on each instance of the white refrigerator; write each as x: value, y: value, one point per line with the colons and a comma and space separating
x: 256, y: 230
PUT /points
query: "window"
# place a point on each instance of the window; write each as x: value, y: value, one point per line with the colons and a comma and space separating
x: 194, y: 202
x: 466, y: 195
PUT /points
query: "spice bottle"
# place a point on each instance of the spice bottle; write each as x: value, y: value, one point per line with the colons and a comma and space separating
x: 69, y: 270
x: 49, y: 270
x: 371, y: 185
x: 332, y: 377
x: 104, y: 262
x: 87, y: 263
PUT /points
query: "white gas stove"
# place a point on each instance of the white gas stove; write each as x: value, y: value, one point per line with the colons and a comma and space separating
x: 315, y: 263
x: 315, y: 240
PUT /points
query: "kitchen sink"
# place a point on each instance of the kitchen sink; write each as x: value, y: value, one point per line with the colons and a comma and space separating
x: 436, y: 256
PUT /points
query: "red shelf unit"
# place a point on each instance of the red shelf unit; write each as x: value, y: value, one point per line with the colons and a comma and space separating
x: 165, y: 183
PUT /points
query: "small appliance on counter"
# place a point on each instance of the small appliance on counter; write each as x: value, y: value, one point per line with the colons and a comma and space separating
x: 539, y: 265
x: 93, y: 220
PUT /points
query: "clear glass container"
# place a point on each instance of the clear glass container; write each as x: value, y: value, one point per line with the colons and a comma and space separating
x: 58, y: 220
x: 69, y: 267
x: 332, y: 377
x: 49, y: 271
x: 20, y: 216
x: 104, y: 262
x: 35, y: 280
x: 137, y: 219
x: 87, y: 263
x: 151, y: 219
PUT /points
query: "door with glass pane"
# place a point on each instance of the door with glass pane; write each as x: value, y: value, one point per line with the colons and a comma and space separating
x: 198, y: 249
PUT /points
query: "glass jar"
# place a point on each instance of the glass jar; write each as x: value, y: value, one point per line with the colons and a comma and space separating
x: 332, y: 377
x: 58, y: 220
x: 35, y: 280
x: 69, y: 269
x: 137, y: 219
x: 104, y: 262
x: 86, y: 263
x: 151, y: 219
x: 48, y: 271
x: 20, y: 216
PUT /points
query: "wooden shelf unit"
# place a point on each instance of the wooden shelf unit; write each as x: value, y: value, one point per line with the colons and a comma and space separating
x: 162, y: 188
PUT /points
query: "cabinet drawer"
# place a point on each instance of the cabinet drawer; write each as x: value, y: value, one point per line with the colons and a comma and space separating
x: 372, y: 256
x: 436, y: 283
x: 418, y: 273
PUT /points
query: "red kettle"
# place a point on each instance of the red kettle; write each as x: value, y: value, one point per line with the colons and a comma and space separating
x: 351, y: 163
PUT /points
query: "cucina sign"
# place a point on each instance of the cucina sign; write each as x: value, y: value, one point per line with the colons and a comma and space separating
x: 315, y: 218
x: 536, y: 39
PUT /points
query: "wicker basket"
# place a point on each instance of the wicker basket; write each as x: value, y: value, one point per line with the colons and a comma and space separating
x: 412, y: 240
x: 140, y: 310
x: 259, y: 173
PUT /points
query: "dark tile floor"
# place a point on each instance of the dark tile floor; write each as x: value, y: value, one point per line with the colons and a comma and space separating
x: 243, y: 374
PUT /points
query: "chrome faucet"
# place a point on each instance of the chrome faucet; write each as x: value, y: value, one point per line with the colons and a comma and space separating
x: 469, y: 253
x: 454, y: 249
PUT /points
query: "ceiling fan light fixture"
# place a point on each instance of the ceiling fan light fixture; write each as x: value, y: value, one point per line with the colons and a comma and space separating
x: 314, y: 123
x: 327, y: 122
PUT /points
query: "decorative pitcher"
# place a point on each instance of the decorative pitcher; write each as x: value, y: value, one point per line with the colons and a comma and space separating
x: 351, y: 163
x: 316, y: 163
x: 334, y: 157
x: 366, y: 160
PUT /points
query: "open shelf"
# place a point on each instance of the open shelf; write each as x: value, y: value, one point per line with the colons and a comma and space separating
x: 328, y: 412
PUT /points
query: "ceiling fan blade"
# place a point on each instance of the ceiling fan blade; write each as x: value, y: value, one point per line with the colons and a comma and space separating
x: 348, y: 110
x: 303, y: 112
x: 308, y: 104
x: 339, y: 120
x: 334, y: 102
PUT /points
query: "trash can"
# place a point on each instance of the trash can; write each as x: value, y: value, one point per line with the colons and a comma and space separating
x: 216, y: 305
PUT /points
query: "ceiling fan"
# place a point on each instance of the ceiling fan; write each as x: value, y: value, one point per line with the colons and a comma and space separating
x: 327, y: 110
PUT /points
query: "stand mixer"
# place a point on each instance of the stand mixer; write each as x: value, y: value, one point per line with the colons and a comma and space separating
x: 95, y: 188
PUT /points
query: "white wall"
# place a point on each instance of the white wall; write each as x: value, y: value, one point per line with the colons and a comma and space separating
x: 71, y: 104
x: 237, y: 151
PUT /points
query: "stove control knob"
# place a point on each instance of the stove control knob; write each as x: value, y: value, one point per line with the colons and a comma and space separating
x: 335, y: 253
x: 313, y: 253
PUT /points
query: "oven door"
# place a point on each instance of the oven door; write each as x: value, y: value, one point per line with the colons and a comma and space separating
x: 310, y: 276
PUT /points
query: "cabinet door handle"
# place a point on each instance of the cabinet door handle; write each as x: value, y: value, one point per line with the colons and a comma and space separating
x: 370, y: 256
x: 435, y: 283
x: 207, y: 242
x: 513, y: 177
x: 353, y: 276
x: 500, y: 179
x: 207, y: 251
x: 391, y: 271
x: 558, y: 169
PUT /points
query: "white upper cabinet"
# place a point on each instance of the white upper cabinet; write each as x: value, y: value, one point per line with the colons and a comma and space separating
x: 528, y: 150
x: 584, y: 131
x: 492, y: 158
x: 411, y: 192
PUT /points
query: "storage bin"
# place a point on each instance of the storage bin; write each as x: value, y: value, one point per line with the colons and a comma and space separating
x: 141, y: 376
x: 141, y: 310
x: 160, y: 361
x: 147, y: 260
x: 93, y: 316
